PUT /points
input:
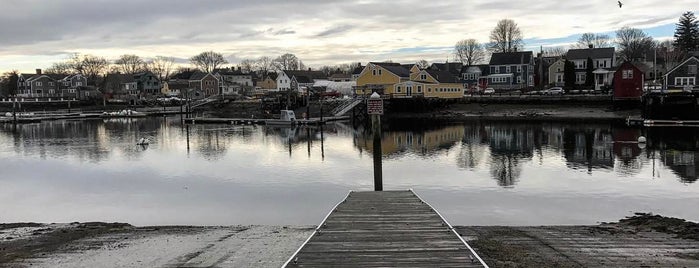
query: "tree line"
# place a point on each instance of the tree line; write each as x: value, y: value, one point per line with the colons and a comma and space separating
x: 631, y: 43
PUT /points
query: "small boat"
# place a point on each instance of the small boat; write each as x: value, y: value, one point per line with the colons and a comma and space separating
x: 143, y: 142
x: 287, y: 118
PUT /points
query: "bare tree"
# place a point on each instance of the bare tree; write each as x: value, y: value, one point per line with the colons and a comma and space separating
x: 208, y: 61
x: 162, y: 66
x: 469, y: 52
x: 287, y: 62
x: 423, y: 64
x: 595, y: 40
x: 92, y: 67
x: 264, y: 65
x: 248, y: 65
x: 672, y: 55
x: 506, y: 37
x: 555, y: 51
x: 130, y: 64
x: 62, y: 67
x: 633, y: 43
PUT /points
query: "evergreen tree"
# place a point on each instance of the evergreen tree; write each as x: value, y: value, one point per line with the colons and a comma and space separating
x: 569, y: 74
x: 687, y: 33
x: 589, y: 76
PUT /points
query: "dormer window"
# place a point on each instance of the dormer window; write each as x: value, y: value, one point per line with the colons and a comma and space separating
x: 423, y: 77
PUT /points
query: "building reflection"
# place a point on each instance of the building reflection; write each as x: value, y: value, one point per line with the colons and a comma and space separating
x: 423, y: 143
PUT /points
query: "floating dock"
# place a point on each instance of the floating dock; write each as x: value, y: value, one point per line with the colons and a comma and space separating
x: 261, y: 121
x: 384, y: 229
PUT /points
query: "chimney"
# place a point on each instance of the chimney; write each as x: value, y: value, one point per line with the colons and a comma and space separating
x: 239, y: 68
x: 591, y: 46
x: 309, y: 69
x: 38, y: 71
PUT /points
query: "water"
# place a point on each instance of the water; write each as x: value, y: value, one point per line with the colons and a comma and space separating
x: 480, y: 173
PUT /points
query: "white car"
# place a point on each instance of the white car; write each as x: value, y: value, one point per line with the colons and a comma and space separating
x: 554, y: 91
x: 489, y: 90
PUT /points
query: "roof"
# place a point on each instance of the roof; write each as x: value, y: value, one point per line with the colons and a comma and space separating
x: 442, y: 76
x: 227, y: 71
x: 184, y: 75
x: 696, y: 58
x: 503, y: 58
x: 309, y: 74
x: 302, y: 79
x: 451, y: 67
x: 593, y: 53
x: 272, y: 75
x: 341, y: 76
x: 198, y: 75
x: 395, y: 68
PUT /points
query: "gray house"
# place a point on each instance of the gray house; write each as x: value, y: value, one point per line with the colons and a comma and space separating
x: 511, y: 70
x: 684, y: 76
x: 475, y: 76
x: 603, y: 64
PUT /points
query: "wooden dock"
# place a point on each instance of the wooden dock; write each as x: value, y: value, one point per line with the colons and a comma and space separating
x: 384, y: 229
x: 262, y: 121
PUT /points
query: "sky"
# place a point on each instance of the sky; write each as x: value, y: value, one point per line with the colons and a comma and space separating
x: 36, y: 33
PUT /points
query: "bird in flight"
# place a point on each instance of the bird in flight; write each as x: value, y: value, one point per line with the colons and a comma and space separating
x: 620, y: 3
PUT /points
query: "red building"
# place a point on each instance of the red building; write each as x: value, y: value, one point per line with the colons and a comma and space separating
x: 628, y: 83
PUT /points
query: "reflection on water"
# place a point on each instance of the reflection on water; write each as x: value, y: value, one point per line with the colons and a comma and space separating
x: 504, y: 172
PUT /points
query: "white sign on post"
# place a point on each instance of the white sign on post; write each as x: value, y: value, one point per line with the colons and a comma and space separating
x: 375, y: 104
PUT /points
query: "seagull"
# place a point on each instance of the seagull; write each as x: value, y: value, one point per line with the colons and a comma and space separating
x: 620, y: 3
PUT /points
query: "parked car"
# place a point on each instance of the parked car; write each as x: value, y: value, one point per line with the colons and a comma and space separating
x: 489, y: 90
x: 553, y: 91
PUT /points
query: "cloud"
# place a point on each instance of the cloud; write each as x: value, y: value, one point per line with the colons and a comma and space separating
x: 317, y: 31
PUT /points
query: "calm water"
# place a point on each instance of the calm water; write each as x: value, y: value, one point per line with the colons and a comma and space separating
x: 481, y: 173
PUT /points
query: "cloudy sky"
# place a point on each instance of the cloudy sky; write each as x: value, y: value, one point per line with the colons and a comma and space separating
x: 36, y: 33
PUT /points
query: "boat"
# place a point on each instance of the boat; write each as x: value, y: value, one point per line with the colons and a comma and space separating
x: 122, y: 113
x: 286, y: 118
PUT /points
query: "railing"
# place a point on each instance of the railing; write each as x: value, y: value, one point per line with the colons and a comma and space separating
x: 346, y: 106
x: 205, y: 101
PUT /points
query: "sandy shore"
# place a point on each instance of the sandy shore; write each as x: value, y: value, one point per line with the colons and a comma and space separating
x: 640, y: 241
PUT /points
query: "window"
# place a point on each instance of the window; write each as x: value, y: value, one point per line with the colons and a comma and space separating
x: 66, y: 83
x: 580, y: 78
x: 373, y: 72
x: 692, y: 69
x: 419, y: 89
x: 519, y: 79
x: 559, y: 78
x: 51, y: 84
x: 398, y: 90
x: 38, y: 84
x: 79, y: 83
x: 519, y: 68
x: 507, y: 69
x: 492, y: 69
x: 379, y: 71
x: 685, y: 81
x: 423, y: 77
x: 429, y: 89
x: 499, y: 79
x: 627, y: 74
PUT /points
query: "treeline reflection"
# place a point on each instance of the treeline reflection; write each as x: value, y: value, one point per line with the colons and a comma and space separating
x: 504, y: 146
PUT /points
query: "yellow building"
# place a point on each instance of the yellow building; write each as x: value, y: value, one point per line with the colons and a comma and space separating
x: 393, y: 80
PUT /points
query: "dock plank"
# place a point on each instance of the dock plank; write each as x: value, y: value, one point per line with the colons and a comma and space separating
x: 384, y: 229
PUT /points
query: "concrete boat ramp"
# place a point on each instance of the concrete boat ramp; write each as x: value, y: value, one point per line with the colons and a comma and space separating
x: 384, y: 229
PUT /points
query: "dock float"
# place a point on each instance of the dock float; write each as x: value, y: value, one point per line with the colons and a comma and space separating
x: 384, y: 229
x: 260, y: 121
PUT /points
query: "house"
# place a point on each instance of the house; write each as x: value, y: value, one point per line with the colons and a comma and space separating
x: 233, y: 81
x: 121, y: 86
x: 269, y: 81
x: 603, y: 61
x: 511, y: 70
x: 628, y: 82
x: 175, y: 87
x: 40, y: 85
x: 205, y: 82
x: 148, y: 84
x: 541, y: 70
x: 475, y: 77
x: 430, y: 83
x: 381, y: 77
x: 295, y: 79
x: 340, y: 77
x: 132, y: 86
x: 683, y: 76
x: 556, y: 76
x: 75, y: 87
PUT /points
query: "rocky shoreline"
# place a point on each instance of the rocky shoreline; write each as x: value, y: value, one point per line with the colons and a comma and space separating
x: 642, y: 240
